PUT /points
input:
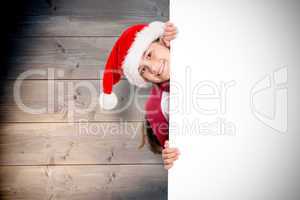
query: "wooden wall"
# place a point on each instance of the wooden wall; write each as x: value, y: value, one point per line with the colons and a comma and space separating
x: 68, y: 151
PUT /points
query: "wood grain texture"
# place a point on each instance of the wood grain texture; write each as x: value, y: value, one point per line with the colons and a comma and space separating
x: 89, y: 17
x: 84, y: 182
x: 72, y: 149
x: 68, y: 101
x: 98, y: 8
x: 74, y: 143
x: 79, y: 26
x: 71, y: 58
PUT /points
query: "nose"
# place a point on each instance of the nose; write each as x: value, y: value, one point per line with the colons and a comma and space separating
x: 155, y: 65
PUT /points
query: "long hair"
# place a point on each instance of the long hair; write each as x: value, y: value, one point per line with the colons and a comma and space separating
x: 148, y: 136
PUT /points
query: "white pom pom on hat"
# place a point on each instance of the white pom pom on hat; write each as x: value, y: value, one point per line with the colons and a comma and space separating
x: 108, y: 101
x: 124, y: 59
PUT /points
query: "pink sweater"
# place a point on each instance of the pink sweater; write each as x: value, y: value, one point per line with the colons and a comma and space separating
x: 154, y: 113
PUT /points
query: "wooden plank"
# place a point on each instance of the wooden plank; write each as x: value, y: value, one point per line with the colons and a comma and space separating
x: 74, y: 143
x: 61, y: 26
x: 88, y: 18
x: 71, y: 58
x: 67, y: 101
x: 98, y: 8
x: 89, y: 182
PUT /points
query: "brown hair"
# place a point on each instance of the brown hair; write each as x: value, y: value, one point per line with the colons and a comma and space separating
x: 149, y: 137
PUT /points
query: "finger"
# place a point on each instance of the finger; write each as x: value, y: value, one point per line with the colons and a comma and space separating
x: 169, y: 150
x: 174, y: 156
x: 169, y: 38
x: 169, y: 34
x: 170, y: 155
x: 168, y: 23
x: 170, y: 28
x: 167, y: 167
x: 169, y: 161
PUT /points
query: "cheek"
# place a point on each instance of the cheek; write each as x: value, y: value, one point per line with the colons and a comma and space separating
x: 162, y: 52
x: 151, y: 78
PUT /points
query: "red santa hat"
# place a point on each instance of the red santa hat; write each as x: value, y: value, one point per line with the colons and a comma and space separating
x: 124, y: 59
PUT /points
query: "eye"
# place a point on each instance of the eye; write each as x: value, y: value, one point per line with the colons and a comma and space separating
x: 142, y: 69
x: 149, y: 55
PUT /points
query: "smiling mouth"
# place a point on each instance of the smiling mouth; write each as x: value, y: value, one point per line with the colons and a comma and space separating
x: 162, y: 67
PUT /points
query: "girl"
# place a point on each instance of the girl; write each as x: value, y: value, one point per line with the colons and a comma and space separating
x: 142, y: 54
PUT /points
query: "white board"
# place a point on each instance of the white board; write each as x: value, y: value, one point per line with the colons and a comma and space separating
x: 234, y: 107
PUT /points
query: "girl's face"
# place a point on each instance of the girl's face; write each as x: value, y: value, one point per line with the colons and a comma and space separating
x: 155, y: 63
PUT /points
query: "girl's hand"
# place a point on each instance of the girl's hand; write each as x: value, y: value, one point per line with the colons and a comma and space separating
x: 169, y: 34
x: 169, y: 155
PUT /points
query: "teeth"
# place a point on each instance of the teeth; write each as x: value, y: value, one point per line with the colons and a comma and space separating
x: 161, y: 67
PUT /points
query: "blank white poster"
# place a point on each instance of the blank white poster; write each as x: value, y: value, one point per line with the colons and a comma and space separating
x: 234, y: 104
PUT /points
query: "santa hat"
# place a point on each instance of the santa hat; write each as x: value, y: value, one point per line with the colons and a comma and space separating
x: 124, y: 59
